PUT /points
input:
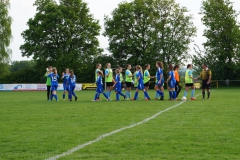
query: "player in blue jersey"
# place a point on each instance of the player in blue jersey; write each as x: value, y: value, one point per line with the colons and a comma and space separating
x: 71, y: 82
x: 160, y: 80
x: 65, y: 79
x: 54, y: 83
x: 98, y: 68
x: 140, y: 86
x: 99, y: 89
x: 118, y: 84
x: 171, y: 81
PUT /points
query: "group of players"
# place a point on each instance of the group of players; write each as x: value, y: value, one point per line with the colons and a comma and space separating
x: 140, y: 79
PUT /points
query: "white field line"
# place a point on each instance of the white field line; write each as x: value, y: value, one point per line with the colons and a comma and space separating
x: 111, y: 133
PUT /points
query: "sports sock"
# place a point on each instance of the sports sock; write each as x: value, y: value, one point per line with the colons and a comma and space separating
x: 95, y: 97
x: 203, y: 95
x: 109, y: 94
x: 136, y: 96
x: 146, y: 95
x: 130, y: 96
x: 157, y: 95
x: 70, y: 96
x: 193, y: 91
x: 117, y: 97
x: 121, y: 94
x: 174, y: 94
x: 159, y: 92
x: 127, y: 94
x: 51, y: 96
x: 76, y: 96
x: 105, y: 95
x: 208, y: 95
x: 63, y: 96
x: 185, y: 94
x: 170, y: 94
x: 56, y: 97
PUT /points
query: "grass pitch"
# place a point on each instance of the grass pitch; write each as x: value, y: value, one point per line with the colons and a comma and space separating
x: 33, y: 128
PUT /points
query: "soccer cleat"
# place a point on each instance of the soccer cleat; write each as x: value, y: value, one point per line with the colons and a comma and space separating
x: 125, y: 98
x: 193, y: 98
x: 146, y: 99
x: 203, y: 99
x: 162, y: 98
x: 76, y: 98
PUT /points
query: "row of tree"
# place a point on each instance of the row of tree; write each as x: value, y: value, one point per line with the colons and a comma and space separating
x: 65, y: 35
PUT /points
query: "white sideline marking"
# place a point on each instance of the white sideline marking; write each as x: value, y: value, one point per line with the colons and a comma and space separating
x: 111, y: 133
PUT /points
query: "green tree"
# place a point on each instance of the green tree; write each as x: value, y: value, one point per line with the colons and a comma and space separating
x: 222, y: 48
x: 144, y: 31
x: 20, y: 65
x: 62, y: 35
x: 5, y: 36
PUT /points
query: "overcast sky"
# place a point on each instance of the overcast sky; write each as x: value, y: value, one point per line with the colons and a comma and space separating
x: 22, y: 10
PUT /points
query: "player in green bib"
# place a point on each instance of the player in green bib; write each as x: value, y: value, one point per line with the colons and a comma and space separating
x: 109, y: 79
x: 128, y: 81
x: 146, y: 78
x: 48, y: 82
x: 189, y: 82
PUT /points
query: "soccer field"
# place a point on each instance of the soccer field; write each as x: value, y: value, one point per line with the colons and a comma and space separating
x: 33, y: 128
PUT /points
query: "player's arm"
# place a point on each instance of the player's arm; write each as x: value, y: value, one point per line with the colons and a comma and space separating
x: 62, y: 75
x: 106, y: 73
x: 198, y: 76
x: 210, y: 76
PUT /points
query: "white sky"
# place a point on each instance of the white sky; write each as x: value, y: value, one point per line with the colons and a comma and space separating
x: 22, y: 10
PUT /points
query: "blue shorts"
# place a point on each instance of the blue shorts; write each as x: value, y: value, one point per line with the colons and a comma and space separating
x: 65, y: 87
x: 140, y: 86
x: 118, y: 88
x: 99, y: 90
x: 161, y: 84
x: 54, y: 87
x: 171, y: 84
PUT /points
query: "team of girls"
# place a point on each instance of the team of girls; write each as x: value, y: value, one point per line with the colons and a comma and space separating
x: 69, y: 83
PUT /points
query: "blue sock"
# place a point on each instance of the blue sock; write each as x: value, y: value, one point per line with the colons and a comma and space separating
x: 127, y: 94
x: 51, y: 97
x: 130, y: 95
x: 63, y: 96
x: 109, y: 94
x: 121, y: 94
x: 105, y: 95
x: 170, y: 94
x: 74, y: 94
x: 146, y: 94
x: 136, y: 96
x: 185, y: 94
x: 56, y: 97
x: 174, y: 94
x: 192, y: 95
x: 162, y: 94
x: 117, y: 97
x: 159, y: 92
x: 69, y: 96
x: 95, y: 97
x: 157, y: 95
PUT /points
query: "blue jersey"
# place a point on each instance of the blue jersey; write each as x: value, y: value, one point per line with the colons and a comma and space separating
x: 171, y: 73
x: 117, y: 79
x: 140, y: 76
x: 54, y: 78
x: 65, y: 78
x: 159, y: 73
x: 99, y: 82
x: 72, y: 80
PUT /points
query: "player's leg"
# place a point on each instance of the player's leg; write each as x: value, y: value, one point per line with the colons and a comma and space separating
x: 186, y: 91
x: 193, y: 92
x: 48, y: 92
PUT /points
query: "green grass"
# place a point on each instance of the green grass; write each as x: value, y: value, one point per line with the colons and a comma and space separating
x: 33, y: 128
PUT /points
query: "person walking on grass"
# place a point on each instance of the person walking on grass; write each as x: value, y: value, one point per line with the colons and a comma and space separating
x: 48, y: 82
x: 206, y: 76
x: 189, y: 82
